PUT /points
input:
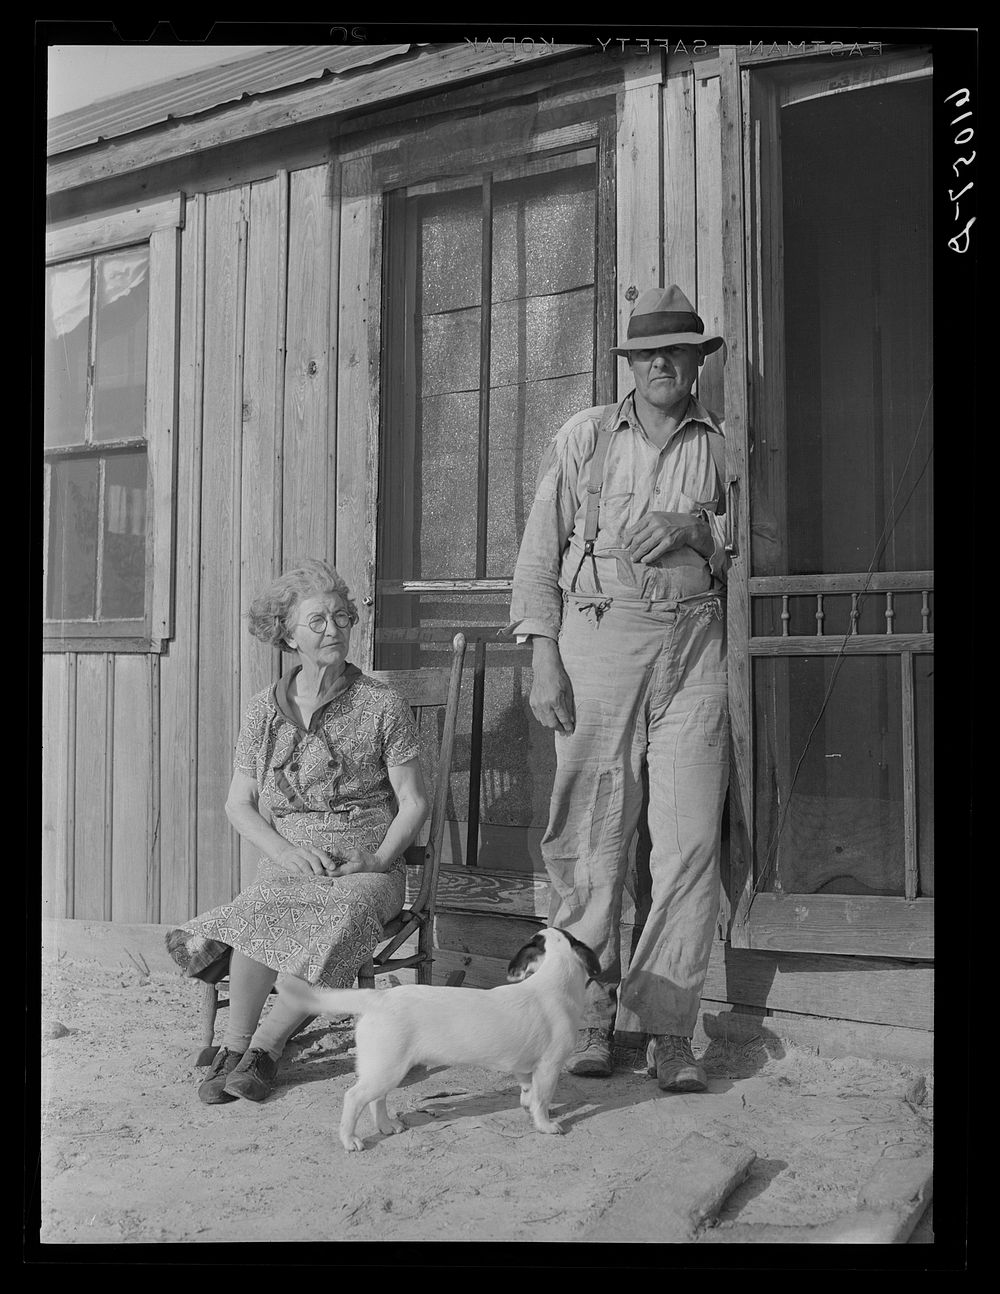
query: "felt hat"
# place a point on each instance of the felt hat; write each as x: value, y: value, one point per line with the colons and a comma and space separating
x: 665, y: 317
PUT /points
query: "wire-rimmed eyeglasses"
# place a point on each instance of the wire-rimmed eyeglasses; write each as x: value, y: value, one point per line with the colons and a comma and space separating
x: 317, y: 622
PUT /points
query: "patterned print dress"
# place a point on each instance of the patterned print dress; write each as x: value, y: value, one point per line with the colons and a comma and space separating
x: 329, y: 787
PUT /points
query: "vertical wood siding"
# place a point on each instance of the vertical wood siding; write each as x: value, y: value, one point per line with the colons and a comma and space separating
x: 132, y: 770
x: 56, y: 768
x: 357, y: 392
x: 261, y: 357
x: 680, y: 255
x: 90, y: 787
x: 639, y: 192
x: 308, y: 433
x: 218, y: 650
x: 708, y: 171
x: 178, y: 668
x: 277, y: 423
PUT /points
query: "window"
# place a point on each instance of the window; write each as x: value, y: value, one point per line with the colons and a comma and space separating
x: 95, y: 438
x: 109, y: 421
x: 494, y: 336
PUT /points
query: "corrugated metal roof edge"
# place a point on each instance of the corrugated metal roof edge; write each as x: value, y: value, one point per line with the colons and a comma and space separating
x: 137, y: 110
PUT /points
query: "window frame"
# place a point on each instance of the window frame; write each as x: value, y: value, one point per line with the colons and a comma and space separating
x: 859, y: 925
x: 156, y: 225
x: 507, y: 158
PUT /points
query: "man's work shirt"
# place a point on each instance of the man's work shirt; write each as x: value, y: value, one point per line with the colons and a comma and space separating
x: 638, y: 479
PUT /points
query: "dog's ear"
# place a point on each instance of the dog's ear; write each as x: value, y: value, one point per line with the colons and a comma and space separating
x: 586, y: 955
x: 527, y: 960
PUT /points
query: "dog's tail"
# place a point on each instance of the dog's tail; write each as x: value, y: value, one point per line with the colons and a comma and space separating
x: 333, y: 1002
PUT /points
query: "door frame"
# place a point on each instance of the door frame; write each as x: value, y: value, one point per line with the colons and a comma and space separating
x: 751, y: 99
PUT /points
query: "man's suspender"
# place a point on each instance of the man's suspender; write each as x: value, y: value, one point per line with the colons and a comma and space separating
x: 591, y: 517
x: 594, y: 486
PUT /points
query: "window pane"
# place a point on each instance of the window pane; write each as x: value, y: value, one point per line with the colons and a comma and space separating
x: 67, y: 311
x: 449, y: 353
x: 842, y: 829
x: 923, y: 677
x: 450, y: 250
x: 858, y: 339
x: 523, y: 419
x: 120, y: 370
x: 540, y: 337
x: 123, y: 578
x: 544, y: 233
x: 447, y: 459
x: 72, y: 565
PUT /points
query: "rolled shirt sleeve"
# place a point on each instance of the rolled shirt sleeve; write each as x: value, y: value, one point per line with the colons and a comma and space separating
x: 536, y: 597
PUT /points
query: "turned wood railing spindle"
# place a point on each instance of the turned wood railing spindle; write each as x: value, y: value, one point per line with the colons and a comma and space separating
x: 854, y: 613
x: 820, y: 615
x: 890, y: 614
x: 925, y: 611
x: 786, y: 615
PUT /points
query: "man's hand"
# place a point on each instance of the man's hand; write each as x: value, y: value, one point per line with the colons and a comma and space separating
x: 662, y: 532
x: 551, y: 698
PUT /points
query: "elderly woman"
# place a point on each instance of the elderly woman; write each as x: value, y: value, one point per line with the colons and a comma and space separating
x: 333, y: 757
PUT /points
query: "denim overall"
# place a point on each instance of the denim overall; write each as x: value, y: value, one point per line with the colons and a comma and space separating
x: 649, y: 684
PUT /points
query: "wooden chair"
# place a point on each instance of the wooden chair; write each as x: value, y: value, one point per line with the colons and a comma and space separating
x: 424, y: 689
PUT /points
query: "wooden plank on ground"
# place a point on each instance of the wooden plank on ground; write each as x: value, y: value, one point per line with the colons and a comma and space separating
x: 55, y: 787
x: 683, y: 1192
x: 132, y: 773
x: 308, y: 436
x: 92, y: 740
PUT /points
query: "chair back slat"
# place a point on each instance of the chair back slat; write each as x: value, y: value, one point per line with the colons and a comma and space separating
x: 432, y: 687
x: 421, y: 687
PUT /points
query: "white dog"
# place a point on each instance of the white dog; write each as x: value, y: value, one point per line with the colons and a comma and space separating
x: 527, y: 1027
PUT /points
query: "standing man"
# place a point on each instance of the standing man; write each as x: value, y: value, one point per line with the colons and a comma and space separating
x: 619, y: 587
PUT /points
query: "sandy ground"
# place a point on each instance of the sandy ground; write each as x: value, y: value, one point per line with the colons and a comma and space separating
x: 129, y: 1154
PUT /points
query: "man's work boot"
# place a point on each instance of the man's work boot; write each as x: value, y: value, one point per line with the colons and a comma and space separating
x: 671, y: 1060
x: 592, y: 1054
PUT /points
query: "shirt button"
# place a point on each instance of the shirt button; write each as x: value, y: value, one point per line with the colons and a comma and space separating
x: 294, y: 768
x: 331, y: 763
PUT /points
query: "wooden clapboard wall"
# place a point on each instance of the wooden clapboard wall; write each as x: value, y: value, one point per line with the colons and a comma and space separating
x: 278, y: 416
x: 669, y: 176
x: 137, y: 752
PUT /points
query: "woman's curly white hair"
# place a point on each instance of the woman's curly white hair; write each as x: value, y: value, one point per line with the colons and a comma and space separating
x: 272, y: 612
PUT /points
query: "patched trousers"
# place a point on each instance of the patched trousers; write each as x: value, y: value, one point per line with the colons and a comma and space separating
x: 649, y: 683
